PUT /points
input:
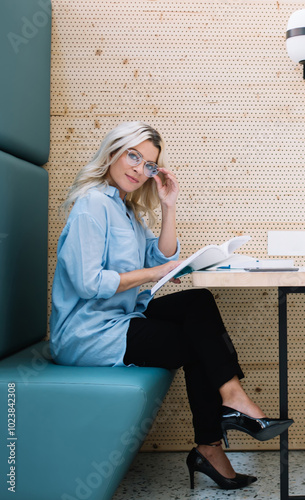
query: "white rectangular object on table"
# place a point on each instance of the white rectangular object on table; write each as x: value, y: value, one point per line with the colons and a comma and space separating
x: 286, y: 243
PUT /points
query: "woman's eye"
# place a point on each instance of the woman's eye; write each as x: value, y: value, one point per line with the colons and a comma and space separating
x: 134, y: 156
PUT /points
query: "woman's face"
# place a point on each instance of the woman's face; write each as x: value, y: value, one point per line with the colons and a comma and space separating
x: 128, y: 178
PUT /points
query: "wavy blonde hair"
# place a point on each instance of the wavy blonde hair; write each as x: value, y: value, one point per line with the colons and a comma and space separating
x: 126, y: 135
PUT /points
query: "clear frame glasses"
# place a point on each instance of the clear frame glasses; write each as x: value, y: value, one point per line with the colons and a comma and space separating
x: 134, y: 158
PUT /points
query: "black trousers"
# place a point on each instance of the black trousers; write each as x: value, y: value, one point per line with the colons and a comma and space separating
x: 186, y: 329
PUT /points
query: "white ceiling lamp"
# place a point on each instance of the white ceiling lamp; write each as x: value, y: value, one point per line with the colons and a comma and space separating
x: 295, y: 38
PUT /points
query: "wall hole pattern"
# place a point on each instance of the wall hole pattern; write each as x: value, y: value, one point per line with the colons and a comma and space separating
x: 214, y: 78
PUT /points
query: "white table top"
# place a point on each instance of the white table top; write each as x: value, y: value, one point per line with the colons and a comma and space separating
x: 240, y: 278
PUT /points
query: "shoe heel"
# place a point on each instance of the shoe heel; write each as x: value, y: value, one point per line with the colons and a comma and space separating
x: 225, y: 438
x: 191, y: 471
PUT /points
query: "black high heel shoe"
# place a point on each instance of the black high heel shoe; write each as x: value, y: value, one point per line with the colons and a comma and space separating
x: 261, y: 429
x: 197, y: 462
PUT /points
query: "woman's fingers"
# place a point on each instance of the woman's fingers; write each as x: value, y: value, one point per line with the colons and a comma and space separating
x: 169, y: 174
x: 163, y: 269
x: 169, y: 190
x: 175, y: 280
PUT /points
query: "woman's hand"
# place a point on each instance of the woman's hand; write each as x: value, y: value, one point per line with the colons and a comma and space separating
x: 139, y: 277
x: 158, y: 272
x: 168, y: 192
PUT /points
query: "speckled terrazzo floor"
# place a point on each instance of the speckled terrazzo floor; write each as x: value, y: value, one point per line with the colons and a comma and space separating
x: 164, y: 476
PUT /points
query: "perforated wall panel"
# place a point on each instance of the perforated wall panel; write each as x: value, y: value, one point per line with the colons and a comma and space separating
x: 214, y: 78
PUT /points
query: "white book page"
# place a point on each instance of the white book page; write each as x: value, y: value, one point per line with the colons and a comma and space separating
x: 175, y: 271
x: 230, y: 246
x: 203, y: 258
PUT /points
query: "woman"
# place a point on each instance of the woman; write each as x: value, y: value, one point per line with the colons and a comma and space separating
x: 99, y: 318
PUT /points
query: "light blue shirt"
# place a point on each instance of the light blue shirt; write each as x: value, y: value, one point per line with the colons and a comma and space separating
x: 89, y: 320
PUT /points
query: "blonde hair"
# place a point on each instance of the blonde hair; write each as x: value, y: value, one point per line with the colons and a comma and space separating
x: 126, y: 135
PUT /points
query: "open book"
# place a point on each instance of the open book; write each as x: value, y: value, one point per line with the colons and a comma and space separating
x: 204, y: 258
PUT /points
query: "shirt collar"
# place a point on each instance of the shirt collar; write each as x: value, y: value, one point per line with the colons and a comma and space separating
x: 113, y: 192
x: 110, y: 191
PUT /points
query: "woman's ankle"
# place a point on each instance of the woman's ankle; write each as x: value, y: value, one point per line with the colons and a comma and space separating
x: 209, y: 449
x: 218, y: 459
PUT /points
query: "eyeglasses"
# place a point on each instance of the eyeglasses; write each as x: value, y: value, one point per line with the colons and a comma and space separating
x: 134, y: 158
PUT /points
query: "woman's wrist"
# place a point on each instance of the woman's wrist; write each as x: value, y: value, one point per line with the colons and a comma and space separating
x: 135, y: 278
x: 168, y: 208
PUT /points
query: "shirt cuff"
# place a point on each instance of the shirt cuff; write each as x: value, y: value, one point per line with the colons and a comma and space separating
x: 109, y: 284
x: 159, y: 256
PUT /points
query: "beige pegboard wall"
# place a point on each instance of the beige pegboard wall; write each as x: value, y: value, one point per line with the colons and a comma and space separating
x: 214, y: 78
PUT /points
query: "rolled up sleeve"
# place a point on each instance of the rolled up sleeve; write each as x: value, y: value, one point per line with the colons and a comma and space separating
x: 109, y: 284
x: 153, y: 255
x: 82, y: 257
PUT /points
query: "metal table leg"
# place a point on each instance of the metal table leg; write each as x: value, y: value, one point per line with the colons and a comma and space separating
x: 283, y: 375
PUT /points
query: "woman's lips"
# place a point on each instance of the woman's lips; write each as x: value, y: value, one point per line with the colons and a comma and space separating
x: 131, y: 179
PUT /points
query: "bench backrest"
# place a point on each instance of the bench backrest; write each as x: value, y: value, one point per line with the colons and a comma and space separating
x: 25, y: 41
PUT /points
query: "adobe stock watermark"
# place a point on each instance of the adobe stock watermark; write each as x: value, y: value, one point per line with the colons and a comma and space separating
x: 3, y: 236
x: 30, y: 27
x: 39, y: 362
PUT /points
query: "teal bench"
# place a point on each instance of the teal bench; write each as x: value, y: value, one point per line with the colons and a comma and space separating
x: 66, y: 433
x: 78, y: 429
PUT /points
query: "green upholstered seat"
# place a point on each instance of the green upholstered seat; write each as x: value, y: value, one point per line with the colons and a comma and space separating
x: 25, y: 53
x: 23, y: 253
x: 78, y: 428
